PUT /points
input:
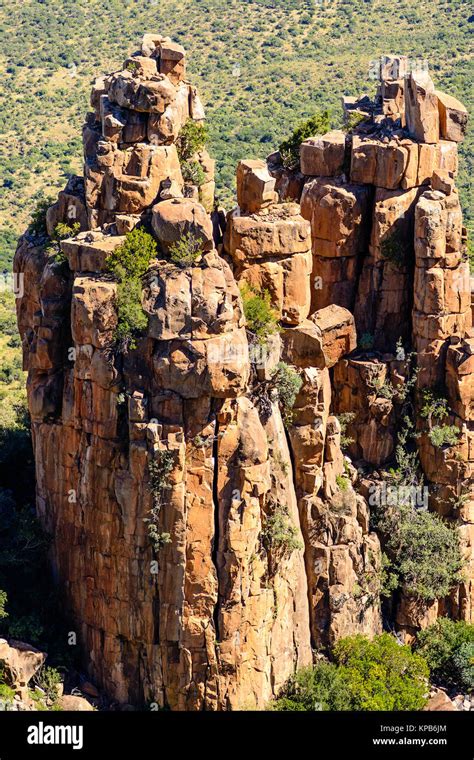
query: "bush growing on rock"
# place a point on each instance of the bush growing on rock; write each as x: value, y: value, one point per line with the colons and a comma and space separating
x: 423, y: 550
x: 289, y: 149
x: 185, y: 251
x: 262, y: 320
x: 133, y: 257
x: 193, y: 173
x: 444, y: 435
x: 367, y: 675
x: 191, y: 139
x: 158, y: 471
x: 37, y: 227
x: 132, y: 320
x: 448, y: 648
x: 279, y: 535
x: 128, y: 263
x: 287, y: 384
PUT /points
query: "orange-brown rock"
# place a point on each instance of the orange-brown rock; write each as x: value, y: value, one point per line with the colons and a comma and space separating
x: 452, y: 117
x: 255, y: 186
x: 421, y: 107
x: 180, y: 217
x: 271, y: 251
x: 323, y: 155
x: 383, y: 299
x: 357, y: 385
x: 338, y: 213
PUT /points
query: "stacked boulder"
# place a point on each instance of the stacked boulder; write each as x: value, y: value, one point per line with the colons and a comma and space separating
x: 194, y: 613
x: 270, y: 246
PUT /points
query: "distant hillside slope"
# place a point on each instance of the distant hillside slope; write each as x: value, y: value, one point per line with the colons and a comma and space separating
x: 261, y: 67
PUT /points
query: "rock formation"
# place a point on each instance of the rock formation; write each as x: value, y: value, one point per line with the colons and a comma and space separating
x: 364, y: 242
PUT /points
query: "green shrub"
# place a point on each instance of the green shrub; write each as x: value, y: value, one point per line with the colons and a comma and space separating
x: 433, y: 405
x: 132, y: 320
x: 132, y: 258
x: 185, y: 251
x: 423, y: 550
x: 49, y: 680
x: 367, y: 675
x: 287, y: 383
x: 128, y: 263
x: 7, y: 694
x: 3, y: 601
x: 37, y: 227
x: 342, y: 482
x: 395, y: 249
x: 262, y: 320
x: 381, y: 674
x: 158, y: 474
x: 463, y: 661
x: 193, y: 173
x: 345, y: 419
x: 191, y: 139
x: 447, y: 646
x: 279, y: 535
x: 289, y: 149
x: 63, y: 231
x: 444, y: 435
x: 322, y: 687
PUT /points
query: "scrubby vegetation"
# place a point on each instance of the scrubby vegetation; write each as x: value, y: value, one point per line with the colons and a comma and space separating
x: 448, y: 647
x: 191, y: 139
x: 289, y: 149
x: 286, y: 382
x: 128, y: 263
x: 444, y: 435
x: 345, y: 419
x: 424, y: 551
x: 158, y: 471
x: 186, y: 251
x: 279, y: 535
x: 366, y: 675
x: 262, y: 319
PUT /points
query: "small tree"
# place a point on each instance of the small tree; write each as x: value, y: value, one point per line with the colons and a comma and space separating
x: 287, y: 383
x: 37, y: 227
x: 279, y: 535
x: 423, y: 550
x: 381, y: 674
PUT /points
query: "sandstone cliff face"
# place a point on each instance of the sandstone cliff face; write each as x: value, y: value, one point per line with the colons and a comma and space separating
x: 214, y: 616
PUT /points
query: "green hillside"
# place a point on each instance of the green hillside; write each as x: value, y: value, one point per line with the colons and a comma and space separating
x: 261, y: 66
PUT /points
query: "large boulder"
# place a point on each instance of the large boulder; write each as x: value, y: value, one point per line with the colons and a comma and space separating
x: 19, y: 662
x: 178, y: 217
